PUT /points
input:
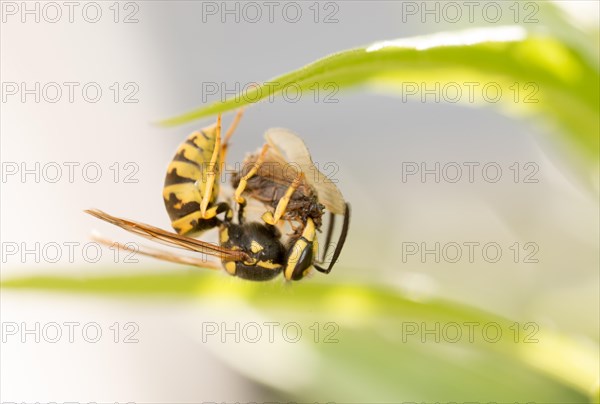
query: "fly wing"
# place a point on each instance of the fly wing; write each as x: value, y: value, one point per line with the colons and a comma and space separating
x: 168, y: 238
x: 287, y: 147
x: 274, y: 167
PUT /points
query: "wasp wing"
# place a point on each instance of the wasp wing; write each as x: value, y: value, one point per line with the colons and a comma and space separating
x: 288, y: 148
x: 171, y: 239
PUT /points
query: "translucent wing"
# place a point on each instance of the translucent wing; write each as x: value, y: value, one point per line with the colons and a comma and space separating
x: 171, y: 239
x: 287, y: 147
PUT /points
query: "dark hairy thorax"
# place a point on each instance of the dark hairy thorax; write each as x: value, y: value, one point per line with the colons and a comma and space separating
x: 303, y: 204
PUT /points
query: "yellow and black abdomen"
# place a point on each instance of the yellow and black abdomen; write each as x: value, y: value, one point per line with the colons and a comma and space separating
x: 186, y: 181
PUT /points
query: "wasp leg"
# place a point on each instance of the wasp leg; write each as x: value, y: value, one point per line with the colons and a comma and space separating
x: 271, y: 218
x: 241, y: 208
x: 215, y: 210
x: 244, y: 180
x: 211, y: 175
x: 158, y: 254
x: 232, y: 128
x: 340, y: 244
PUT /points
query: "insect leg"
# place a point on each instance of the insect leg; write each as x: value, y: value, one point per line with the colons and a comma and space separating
x: 241, y: 217
x: 301, y: 253
x: 232, y: 128
x: 271, y: 218
x: 340, y: 244
x: 219, y: 208
x: 211, y: 173
x: 244, y: 180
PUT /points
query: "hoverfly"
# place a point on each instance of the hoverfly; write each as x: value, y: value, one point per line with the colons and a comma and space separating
x: 284, y: 178
x: 252, y: 251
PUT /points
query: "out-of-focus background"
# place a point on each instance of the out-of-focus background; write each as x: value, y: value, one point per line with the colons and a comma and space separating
x: 66, y: 147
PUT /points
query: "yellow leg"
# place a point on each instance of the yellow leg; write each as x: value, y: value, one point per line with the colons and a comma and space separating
x: 211, y: 173
x: 271, y: 218
x: 298, y: 264
x: 244, y: 180
x: 232, y: 128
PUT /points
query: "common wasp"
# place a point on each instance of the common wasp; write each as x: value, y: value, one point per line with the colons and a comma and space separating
x: 249, y: 250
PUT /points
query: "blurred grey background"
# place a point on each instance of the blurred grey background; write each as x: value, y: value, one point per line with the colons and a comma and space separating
x: 171, y: 54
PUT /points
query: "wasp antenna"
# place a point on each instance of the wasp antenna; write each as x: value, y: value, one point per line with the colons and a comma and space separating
x: 94, y: 212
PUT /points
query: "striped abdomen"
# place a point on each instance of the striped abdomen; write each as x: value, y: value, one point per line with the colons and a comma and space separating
x: 185, y: 182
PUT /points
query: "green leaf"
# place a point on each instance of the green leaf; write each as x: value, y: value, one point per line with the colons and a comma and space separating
x: 375, y: 357
x: 535, y: 72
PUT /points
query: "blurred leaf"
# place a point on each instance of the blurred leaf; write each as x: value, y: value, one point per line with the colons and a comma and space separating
x: 376, y: 352
x: 534, y: 72
x: 554, y: 19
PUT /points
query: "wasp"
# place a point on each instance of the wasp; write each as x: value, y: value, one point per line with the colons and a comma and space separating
x: 249, y: 250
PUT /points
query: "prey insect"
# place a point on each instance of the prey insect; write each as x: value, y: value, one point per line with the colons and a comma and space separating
x: 249, y: 250
x: 284, y: 178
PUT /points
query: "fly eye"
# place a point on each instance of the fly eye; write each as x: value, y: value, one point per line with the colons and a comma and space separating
x: 300, y: 259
